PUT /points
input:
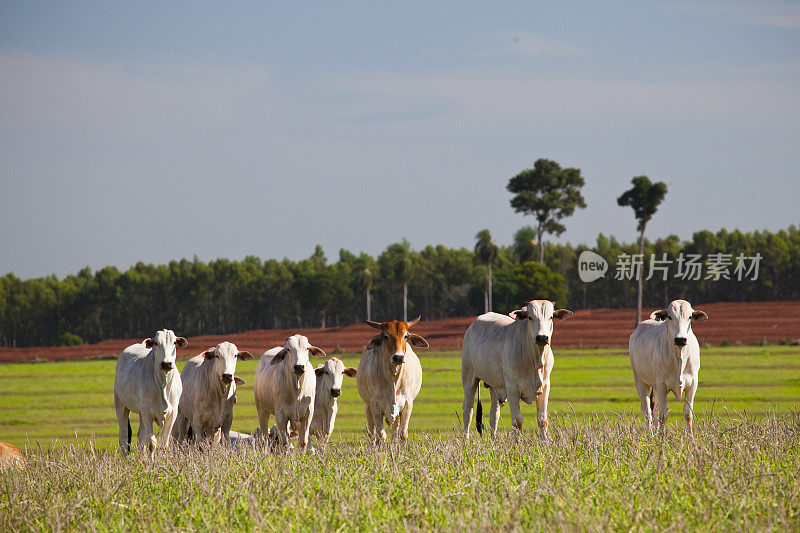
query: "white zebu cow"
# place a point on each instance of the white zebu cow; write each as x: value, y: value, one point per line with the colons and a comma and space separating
x: 329, y: 386
x: 147, y: 382
x: 285, y: 386
x: 209, y: 393
x: 665, y: 357
x: 389, y: 378
x: 512, y: 356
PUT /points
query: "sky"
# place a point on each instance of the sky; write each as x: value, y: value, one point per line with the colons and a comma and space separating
x: 152, y: 131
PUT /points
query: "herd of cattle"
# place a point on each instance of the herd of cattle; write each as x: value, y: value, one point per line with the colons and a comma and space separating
x: 510, y: 354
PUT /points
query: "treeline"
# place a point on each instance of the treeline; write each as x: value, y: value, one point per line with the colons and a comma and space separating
x: 223, y: 296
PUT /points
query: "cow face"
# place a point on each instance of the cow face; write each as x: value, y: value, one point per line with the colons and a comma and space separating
x: 679, y: 316
x: 163, y: 345
x: 225, y: 356
x: 331, y: 374
x: 394, y: 338
x: 296, y: 353
x: 539, y: 315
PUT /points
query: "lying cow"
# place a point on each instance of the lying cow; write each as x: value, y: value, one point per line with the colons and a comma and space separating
x: 285, y: 386
x: 665, y: 357
x: 389, y: 378
x: 209, y: 393
x: 329, y: 386
x: 10, y: 456
x: 512, y: 356
x: 147, y: 382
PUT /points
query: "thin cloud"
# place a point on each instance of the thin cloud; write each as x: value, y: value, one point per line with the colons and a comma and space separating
x: 761, y: 14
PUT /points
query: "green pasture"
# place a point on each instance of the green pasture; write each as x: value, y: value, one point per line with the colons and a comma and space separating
x: 42, y: 402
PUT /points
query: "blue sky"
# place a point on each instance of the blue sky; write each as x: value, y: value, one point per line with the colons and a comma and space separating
x: 155, y: 131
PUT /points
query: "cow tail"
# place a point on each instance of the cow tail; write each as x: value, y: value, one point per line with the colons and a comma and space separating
x: 479, y: 413
x: 130, y: 434
x: 652, y: 401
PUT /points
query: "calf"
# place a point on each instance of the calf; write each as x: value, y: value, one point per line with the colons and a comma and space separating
x: 147, y: 382
x: 285, y: 386
x: 512, y: 356
x: 389, y: 378
x: 329, y: 386
x: 665, y: 357
x: 209, y: 393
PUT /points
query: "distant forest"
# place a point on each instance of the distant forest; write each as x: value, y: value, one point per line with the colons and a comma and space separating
x: 223, y: 296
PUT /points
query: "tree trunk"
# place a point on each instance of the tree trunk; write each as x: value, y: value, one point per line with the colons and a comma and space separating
x: 540, y: 231
x: 490, y: 286
x: 369, y: 307
x: 485, y: 302
x: 405, y: 302
x: 639, y: 277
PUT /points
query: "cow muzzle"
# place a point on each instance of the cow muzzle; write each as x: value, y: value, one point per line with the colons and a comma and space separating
x: 227, y: 378
x: 542, y: 340
x: 336, y: 392
x: 166, y: 367
x: 398, y: 359
x: 680, y: 341
x: 299, y: 369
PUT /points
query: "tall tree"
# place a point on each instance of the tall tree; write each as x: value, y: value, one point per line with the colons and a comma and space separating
x: 644, y: 197
x: 486, y: 253
x: 398, y: 256
x: 549, y: 193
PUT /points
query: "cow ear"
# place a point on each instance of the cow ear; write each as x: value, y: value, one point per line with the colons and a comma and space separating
x: 699, y: 316
x: 350, y: 372
x: 181, y: 342
x: 375, y: 342
x: 280, y: 356
x: 417, y: 341
x: 519, y: 314
x: 210, y: 353
x: 149, y: 343
x: 562, y: 314
x: 659, y: 315
x: 319, y: 370
x: 238, y: 380
x: 316, y: 352
x: 244, y: 355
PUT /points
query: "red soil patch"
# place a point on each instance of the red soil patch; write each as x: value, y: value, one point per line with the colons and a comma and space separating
x: 733, y: 322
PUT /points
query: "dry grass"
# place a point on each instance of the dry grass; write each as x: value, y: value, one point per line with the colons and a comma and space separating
x: 738, y: 473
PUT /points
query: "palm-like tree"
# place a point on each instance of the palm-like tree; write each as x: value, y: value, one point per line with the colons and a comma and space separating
x: 644, y: 197
x: 486, y: 253
x: 364, y: 278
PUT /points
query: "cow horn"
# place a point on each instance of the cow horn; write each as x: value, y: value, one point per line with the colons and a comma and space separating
x: 376, y: 325
x: 414, y: 322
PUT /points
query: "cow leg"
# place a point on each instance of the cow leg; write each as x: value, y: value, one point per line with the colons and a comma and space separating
x: 370, y: 421
x: 470, y: 387
x: 303, y: 428
x: 688, y: 407
x: 405, y: 416
x: 283, y: 429
x: 662, y: 411
x: 541, y: 411
x: 166, y: 428
x: 494, y: 412
x: 263, y: 422
x: 123, y: 419
x: 644, y: 401
x: 516, y: 412
x: 377, y: 422
x: 180, y: 428
x: 146, y: 439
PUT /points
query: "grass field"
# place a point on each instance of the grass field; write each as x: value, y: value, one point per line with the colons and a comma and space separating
x: 600, y: 470
x: 40, y: 402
